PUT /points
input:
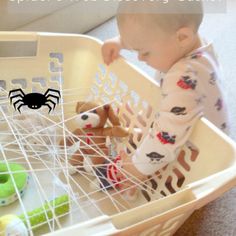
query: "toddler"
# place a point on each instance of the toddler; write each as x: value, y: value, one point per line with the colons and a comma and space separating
x: 166, y: 37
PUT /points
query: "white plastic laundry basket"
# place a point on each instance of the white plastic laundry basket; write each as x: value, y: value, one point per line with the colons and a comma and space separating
x: 204, y: 170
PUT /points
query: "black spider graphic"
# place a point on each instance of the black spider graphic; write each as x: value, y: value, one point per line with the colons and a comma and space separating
x: 154, y: 157
x: 178, y: 110
x: 219, y: 104
x: 34, y: 100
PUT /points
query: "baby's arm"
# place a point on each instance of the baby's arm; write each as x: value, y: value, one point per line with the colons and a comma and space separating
x: 179, y: 111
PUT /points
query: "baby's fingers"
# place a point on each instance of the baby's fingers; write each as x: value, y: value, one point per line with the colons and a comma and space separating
x: 106, y: 54
x: 114, y: 55
x: 107, y: 58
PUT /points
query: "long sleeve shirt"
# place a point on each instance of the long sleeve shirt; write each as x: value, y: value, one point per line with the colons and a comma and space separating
x: 189, y: 90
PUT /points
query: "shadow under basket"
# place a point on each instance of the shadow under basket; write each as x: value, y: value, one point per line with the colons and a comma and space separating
x: 72, y: 65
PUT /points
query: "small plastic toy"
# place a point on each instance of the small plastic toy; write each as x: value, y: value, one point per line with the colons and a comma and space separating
x: 7, y: 187
x: 113, y: 175
x: 17, y: 225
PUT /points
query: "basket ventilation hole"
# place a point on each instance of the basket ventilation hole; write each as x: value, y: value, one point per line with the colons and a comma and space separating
x: 168, y: 184
x: 58, y: 79
x: 113, y: 79
x: 141, y: 120
x: 102, y: 68
x: 163, y: 193
x: 126, y: 119
x: 55, y: 64
x: 3, y: 84
x: 153, y: 231
x: 57, y: 55
x: 135, y: 98
x: 172, y: 223
x: 123, y: 86
x: 180, y: 177
x: 20, y: 82
x: 182, y: 161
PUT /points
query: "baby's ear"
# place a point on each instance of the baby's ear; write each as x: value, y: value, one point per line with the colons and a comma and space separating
x: 185, y: 37
x: 78, y: 106
x: 111, y: 115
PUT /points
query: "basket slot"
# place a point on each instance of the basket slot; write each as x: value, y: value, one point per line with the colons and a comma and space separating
x: 18, y: 44
x: 18, y: 49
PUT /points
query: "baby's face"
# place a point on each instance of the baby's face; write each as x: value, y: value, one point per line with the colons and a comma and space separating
x: 158, y: 49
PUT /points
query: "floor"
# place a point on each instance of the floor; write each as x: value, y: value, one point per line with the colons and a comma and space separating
x: 217, y: 218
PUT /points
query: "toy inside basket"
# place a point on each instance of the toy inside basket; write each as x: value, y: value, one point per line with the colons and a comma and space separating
x: 72, y: 65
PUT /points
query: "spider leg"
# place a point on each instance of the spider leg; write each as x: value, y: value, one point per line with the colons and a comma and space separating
x: 16, y: 90
x: 20, y: 107
x: 54, y: 104
x: 50, y: 95
x: 18, y: 95
x: 48, y: 107
x: 14, y: 104
x: 52, y: 90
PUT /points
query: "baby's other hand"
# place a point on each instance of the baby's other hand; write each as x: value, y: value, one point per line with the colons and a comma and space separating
x: 127, y: 185
x: 129, y: 170
x: 110, y: 50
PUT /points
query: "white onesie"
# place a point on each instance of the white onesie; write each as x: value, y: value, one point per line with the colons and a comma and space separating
x: 189, y: 90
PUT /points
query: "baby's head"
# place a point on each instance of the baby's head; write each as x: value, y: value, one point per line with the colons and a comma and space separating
x: 161, y: 32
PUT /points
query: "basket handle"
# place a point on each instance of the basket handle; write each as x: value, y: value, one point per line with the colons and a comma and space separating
x: 213, y: 186
x: 13, y: 36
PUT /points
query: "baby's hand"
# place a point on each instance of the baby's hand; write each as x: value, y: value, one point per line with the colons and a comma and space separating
x: 110, y: 50
x: 128, y: 178
x: 129, y: 171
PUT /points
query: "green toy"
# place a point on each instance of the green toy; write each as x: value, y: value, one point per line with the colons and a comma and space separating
x: 17, y: 225
x: 7, y: 187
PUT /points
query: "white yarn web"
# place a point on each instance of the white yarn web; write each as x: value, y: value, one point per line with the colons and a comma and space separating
x: 32, y: 140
